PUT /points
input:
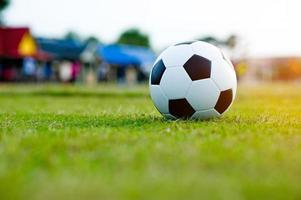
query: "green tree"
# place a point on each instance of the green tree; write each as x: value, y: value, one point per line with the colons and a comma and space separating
x: 210, y: 39
x: 134, y: 37
x: 3, y: 5
x: 229, y: 42
x: 92, y: 39
x: 71, y: 35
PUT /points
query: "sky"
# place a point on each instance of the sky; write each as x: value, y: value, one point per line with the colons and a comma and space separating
x: 265, y: 27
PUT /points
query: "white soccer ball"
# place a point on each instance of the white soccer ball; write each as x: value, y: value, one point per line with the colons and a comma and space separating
x: 192, y: 80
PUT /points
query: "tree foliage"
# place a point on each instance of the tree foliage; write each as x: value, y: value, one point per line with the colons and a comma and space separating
x: 3, y: 4
x: 71, y: 35
x: 92, y: 39
x: 210, y: 39
x: 134, y: 37
x: 229, y: 42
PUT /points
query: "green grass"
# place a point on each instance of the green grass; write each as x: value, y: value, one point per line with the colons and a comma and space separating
x: 72, y: 142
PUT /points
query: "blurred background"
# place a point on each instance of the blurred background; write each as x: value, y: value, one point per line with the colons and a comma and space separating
x: 93, y: 41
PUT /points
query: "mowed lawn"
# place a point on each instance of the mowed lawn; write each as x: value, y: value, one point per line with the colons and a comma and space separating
x: 105, y: 142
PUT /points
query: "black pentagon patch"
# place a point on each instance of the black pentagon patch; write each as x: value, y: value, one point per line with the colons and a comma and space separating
x: 224, y: 101
x: 157, y: 72
x: 180, y: 108
x: 188, y: 42
x: 198, y: 67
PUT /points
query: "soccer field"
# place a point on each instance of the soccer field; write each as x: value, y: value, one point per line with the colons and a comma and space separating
x: 104, y: 142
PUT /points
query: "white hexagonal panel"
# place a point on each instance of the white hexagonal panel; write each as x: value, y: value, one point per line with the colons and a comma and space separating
x: 203, y: 94
x: 159, y: 98
x: 176, y: 55
x: 223, y: 75
x: 175, y: 82
x: 206, y: 50
x: 205, y: 114
x: 226, y: 58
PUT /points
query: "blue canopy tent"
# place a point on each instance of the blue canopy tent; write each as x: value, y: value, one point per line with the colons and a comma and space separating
x: 125, y: 55
x: 61, y: 48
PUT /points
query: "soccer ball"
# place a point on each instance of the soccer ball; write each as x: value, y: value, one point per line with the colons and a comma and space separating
x: 192, y: 80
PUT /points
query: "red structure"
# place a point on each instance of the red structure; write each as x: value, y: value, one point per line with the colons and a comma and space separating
x: 17, y: 43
